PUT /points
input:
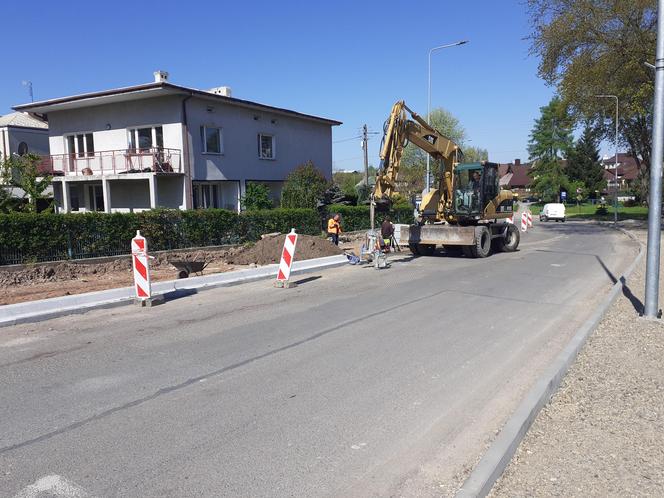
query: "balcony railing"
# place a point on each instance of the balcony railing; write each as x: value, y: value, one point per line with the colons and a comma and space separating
x: 113, y: 162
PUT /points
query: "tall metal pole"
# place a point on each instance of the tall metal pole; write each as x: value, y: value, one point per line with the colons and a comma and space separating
x: 427, y: 178
x: 365, y: 137
x: 655, y: 200
x: 615, y: 173
x: 615, y: 201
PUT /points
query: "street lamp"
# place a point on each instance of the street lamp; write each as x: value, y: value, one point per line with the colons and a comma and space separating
x: 428, y: 176
x: 615, y: 201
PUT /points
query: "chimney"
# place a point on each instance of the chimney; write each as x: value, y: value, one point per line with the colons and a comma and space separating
x: 224, y: 91
x: 160, y: 76
x: 517, y: 162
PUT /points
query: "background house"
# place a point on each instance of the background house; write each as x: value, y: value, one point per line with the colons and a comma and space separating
x: 516, y: 177
x: 164, y: 145
x: 21, y: 133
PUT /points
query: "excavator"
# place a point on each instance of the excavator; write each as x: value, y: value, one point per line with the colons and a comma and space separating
x: 466, y: 211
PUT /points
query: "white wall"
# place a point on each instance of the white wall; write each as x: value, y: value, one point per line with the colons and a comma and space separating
x: 120, y: 116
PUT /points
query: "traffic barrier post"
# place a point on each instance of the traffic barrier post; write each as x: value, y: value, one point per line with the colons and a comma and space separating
x: 524, y: 221
x: 287, y: 257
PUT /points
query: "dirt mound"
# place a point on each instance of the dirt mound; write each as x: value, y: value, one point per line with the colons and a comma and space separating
x: 268, y: 250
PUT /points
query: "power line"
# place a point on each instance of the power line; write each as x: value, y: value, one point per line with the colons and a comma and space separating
x: 347, y: 139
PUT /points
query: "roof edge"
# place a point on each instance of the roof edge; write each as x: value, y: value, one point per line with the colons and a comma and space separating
x: 184, y: 90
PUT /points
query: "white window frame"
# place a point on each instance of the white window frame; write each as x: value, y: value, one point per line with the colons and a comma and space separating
x: 220, y: 131
x: 153, y: 134
x: 77, y: 152
x: 208, y: 195
x: 260, y: 147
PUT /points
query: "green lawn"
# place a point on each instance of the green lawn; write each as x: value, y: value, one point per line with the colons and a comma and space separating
x: 588, y: 211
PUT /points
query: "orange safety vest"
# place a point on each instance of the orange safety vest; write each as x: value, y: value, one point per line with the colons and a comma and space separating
x: 333, y: 226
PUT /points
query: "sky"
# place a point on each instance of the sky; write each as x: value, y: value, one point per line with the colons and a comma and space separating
x: 344, y: 60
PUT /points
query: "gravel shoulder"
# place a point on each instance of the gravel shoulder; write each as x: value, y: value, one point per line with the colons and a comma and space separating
x: 602, y: 434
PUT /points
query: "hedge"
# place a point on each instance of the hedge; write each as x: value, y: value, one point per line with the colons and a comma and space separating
x: 358, y: 217
x: 32, y: 237
x: 29, y: 237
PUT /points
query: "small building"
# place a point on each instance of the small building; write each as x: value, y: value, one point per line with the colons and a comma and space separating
x: 165, y: 145
x: 21, y: 133
x: 628, y: 171
x: 516, y: 177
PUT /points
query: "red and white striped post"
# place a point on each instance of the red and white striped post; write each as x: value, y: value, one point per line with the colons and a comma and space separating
x: 139, y: 257
x: 524, y: 221
x: 287, y: 257
x: 509, y: 220
x: 530, y: 219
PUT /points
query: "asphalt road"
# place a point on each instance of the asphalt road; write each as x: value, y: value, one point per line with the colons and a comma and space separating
x: 356, y: 383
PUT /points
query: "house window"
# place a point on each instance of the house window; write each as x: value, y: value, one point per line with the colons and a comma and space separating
x: 211, y: 138
x: 206, y: 196
x: 80, y: 145
x: 266, y: 146
x: 144, y: 139
x: 22, y: 149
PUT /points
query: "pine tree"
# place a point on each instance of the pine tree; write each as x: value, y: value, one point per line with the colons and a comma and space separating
x: 583, y: 163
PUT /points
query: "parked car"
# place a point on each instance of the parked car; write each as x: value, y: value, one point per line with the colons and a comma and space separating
x: 553, y: 211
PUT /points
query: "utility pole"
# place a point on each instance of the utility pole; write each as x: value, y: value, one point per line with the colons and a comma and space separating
x: 655, y: 202
x: 365, y: 138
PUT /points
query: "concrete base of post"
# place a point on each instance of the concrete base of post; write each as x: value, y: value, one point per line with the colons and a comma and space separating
x: 150, y: 301
x: 284, y: 284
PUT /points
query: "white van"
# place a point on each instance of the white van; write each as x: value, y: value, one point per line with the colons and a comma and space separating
x: 552, y: 212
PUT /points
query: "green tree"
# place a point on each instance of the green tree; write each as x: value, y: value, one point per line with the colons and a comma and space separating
x: 593, y: 47
x: 475, y: 154
x: 303, y: 187
x: 551, y: 137
x: 347, y: 181
x: 22, y: 172
x: 550, y: 140
x: 583, y: 163
x: 256, y: 196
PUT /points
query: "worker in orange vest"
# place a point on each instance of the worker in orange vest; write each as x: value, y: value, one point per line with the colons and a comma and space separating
x: 334, y: 228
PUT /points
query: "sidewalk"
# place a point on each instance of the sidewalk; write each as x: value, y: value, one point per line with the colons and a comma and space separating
x: 603, y: 432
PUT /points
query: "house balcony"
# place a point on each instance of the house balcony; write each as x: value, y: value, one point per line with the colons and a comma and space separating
x: 114, y: 162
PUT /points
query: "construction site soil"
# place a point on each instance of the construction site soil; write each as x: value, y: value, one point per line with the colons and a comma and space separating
x: 45, y: 280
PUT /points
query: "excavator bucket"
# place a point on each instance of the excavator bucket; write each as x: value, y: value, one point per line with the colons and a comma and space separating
x: 383, y: 204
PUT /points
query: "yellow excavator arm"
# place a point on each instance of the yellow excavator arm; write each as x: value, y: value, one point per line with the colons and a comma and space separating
x: 399, y: 131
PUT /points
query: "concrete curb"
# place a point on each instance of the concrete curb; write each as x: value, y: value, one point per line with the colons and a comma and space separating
x: 35, y: 311
x: 500, y: 453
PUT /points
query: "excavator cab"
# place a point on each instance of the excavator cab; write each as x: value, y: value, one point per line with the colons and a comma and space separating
x: 475, y: 184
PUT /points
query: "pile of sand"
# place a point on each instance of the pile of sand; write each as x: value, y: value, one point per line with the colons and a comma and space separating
x: 268, y: 250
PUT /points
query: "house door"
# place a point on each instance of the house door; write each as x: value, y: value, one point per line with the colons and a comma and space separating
x: 96, y: 196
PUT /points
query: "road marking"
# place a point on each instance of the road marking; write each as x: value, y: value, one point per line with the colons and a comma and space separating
x: 53, y: 486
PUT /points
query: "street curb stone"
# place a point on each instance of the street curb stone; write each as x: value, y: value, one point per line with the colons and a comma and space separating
x: 44, y: 309
x: 500, y: 453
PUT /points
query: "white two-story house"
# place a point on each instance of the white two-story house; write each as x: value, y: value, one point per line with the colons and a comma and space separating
x: 165, y: 145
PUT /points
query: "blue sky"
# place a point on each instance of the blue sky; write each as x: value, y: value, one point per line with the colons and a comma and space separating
x: 344, y: 60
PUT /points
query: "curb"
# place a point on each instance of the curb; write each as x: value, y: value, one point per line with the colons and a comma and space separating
x: 35, y: 311
x: 500, y: 453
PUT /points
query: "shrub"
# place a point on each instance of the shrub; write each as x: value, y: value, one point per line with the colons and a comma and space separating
x: 303, y: 187
x: 601, y: 211
x: 358, y: 217
x: 256, y: 197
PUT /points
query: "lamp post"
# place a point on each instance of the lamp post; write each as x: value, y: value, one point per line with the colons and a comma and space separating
x: 427, y: 181
x: 615, y: 201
